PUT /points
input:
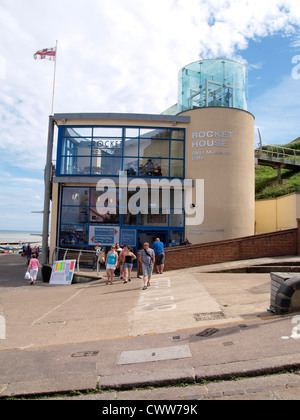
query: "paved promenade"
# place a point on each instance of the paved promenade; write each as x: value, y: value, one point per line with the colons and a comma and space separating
x: 190, y: 325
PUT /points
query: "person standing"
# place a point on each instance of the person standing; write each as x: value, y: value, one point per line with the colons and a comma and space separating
x: 128, y: 263
x: 147, y: 259
x: 28, y: 252
x: 111, y: 264
x: 118, y: 251
x: 99, y: 257
x: 33, y: 268
x: 159, y: 250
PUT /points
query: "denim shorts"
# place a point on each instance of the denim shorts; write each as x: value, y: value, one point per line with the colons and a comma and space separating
x: 128, y: 265
x: 147, y: 270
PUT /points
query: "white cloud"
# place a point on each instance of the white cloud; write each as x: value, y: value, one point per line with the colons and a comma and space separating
x: 113, y: 56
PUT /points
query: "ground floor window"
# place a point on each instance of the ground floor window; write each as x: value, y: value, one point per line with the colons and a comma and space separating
x: 82, y: 222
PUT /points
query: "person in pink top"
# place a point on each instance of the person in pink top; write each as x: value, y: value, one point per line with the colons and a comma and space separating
x: 33, y: 267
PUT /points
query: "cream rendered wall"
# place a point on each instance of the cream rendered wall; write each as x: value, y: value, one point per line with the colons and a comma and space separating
x: 220, y: 150
x: 277, y: 214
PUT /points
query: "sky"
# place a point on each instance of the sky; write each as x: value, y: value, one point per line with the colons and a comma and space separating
x: 124, y: 56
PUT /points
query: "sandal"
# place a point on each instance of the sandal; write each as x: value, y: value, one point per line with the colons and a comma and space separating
x: 148, y: 284
x: 144, y: 288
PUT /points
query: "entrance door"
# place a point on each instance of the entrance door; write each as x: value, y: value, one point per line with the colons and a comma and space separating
x: 147, y: 236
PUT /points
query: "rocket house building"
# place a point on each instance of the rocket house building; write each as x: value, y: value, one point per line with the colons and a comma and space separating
x: 188, y: 172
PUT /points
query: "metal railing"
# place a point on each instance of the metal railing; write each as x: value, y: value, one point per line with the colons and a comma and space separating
x: 84, y: 259
x: 278, y: 154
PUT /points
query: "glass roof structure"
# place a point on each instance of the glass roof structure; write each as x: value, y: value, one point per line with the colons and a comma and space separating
x: 213, y: 83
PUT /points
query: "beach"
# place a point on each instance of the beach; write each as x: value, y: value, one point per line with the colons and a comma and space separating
x: 14, y: 237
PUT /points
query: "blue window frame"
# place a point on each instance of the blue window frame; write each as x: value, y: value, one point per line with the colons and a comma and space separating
x: 105, y: 151
x: 78, y: 213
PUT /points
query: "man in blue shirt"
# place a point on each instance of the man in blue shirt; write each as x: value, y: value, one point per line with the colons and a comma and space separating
x: 158, y: 248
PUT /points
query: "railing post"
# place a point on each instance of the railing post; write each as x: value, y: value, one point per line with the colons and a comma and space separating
x: 78, y: 259
x: 66, y: 254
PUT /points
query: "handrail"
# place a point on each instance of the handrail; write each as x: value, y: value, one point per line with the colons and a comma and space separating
x: 81, y: 252
x: 278, y: 152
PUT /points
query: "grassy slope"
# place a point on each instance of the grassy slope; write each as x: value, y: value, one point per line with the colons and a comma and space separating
x: 266, y: 184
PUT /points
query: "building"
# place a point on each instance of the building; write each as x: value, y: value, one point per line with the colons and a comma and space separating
x: 188, y: 172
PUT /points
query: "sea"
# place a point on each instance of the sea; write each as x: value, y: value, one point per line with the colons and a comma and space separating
x: 19, y: 237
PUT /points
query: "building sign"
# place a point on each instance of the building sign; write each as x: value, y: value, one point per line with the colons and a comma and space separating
x: 106, y: 235
x: 63, y: 272
x: 203, y: 142
x: 109, y: 144
x: 128, y: 237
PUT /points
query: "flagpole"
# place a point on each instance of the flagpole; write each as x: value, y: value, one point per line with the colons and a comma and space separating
x: 54, y: 80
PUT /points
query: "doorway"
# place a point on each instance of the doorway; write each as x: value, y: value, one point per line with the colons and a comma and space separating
x: 147, y: 236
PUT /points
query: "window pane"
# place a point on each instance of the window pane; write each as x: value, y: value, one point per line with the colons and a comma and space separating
x: 107, y: 147
x: 131, y: 147
x: 77, y: 146
x: 111, y: 200
x: 154, y: 148
x: 177, y: 148
x: 78, y: 131
x: 129, y: 220
x: 73, y: 165
x: 106, y: 165
x: 175, y: 238
x: 107, y: 218
x: 153, y: 219
x: 132, y: 132
x: 176, y: 169
x: 155, y: 133
x: 107, y: 132
x: 154, y: 167
x: 176, y: 220
x: 74, y: 215
x: 177, y: 199
x: 75, y: 196
x: 130, y: 165
x: 73, y: 235
x: 177, y: 134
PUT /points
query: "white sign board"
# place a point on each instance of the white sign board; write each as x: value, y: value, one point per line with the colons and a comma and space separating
x: 62, y: 272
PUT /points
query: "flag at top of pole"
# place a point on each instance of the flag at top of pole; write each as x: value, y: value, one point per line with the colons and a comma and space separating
x: 49, y: 54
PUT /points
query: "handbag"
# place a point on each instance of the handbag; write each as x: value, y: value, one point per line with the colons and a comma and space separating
x: 27, y: 275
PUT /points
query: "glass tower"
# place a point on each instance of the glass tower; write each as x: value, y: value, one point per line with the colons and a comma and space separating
x: 213, y: 83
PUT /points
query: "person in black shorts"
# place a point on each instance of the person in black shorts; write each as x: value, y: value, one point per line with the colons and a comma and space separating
x: 159, y: 250
x: 129, y: 257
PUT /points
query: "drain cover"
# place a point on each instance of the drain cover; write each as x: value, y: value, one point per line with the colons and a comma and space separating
x: 207, y: 316
x: 86, y: 354
x: 208, y: 332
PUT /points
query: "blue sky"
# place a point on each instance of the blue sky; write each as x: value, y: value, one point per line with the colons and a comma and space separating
x: 124, y: 56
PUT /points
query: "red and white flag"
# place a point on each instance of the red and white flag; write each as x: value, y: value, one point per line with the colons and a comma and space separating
x: 47, y: 53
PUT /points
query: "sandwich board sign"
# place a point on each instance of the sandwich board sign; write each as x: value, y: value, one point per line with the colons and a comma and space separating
x: 62, y: 272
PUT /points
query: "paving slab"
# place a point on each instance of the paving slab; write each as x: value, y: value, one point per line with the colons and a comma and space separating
x: 73, y: 338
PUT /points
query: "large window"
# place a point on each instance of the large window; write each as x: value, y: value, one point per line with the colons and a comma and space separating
x: 105, y: 151
x: 84, y: 208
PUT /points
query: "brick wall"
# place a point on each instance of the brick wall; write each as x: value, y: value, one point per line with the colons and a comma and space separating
x: 281, y: 243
